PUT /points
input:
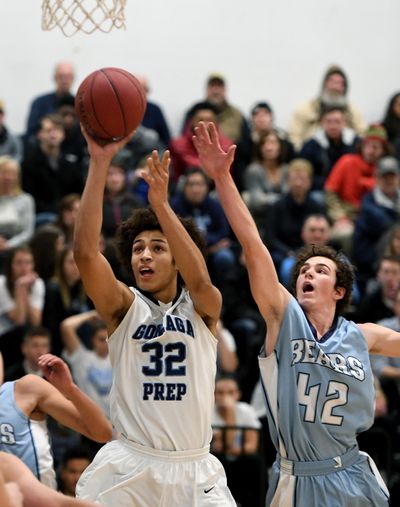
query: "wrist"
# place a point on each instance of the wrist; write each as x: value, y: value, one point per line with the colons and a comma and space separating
x: 69, y: 391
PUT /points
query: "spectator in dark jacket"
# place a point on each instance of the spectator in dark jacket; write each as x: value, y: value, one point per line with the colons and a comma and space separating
x: 48, y: 173
x: 332, y: 140
x: 380, y: 209
x: 118, y: 203
x: 287, y: 215
x: 194, y: 201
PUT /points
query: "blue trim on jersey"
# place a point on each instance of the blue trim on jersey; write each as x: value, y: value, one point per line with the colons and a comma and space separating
x: 34, y: 450
x: 150, y: 296
x: 328, y: 334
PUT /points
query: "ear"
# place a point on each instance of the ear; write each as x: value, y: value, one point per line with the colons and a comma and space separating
x: 340, y: 292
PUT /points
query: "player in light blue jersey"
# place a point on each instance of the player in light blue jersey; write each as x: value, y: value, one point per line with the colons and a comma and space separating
x: 314, y: 366
x: 25, y: 404
x: 162, y: 348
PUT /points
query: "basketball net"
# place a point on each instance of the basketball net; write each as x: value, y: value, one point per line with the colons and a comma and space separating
x: 83, y: 15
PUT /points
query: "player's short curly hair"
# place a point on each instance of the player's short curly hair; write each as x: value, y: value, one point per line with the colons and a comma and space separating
x: 144, y: 219
x: 344, y: 270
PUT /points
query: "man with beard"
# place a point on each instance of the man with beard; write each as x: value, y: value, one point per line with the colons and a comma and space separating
x: 334, y: 90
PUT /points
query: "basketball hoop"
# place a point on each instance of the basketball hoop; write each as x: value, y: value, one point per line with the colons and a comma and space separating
x: 86, y: 16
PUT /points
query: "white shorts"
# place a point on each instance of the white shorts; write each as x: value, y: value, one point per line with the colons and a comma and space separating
x: 124, y: 474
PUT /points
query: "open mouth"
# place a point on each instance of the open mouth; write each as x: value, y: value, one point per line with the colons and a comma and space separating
x: 307, y: 287
x: 146, y: 271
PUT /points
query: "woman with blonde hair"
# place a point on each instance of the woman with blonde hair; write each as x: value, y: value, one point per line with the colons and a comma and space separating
x: 17, y: 208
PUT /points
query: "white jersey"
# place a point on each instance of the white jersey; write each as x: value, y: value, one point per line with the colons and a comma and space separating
x: 164, y: 365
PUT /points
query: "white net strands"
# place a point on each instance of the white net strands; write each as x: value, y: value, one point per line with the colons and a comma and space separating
x: 86, y: 16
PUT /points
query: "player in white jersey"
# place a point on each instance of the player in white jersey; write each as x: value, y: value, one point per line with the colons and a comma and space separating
x: 24, y: 405
x: 315, y: 366
x: 162, y: 348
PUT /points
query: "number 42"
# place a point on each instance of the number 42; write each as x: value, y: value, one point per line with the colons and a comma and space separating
x: 308, y: 397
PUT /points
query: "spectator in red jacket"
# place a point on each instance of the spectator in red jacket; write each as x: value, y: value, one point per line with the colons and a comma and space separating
x: 351, y: 178
x: 183, y: 152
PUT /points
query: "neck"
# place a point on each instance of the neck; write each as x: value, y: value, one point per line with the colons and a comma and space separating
x: 271, y: 164
x: 322, y: 320
x: 51, y: 151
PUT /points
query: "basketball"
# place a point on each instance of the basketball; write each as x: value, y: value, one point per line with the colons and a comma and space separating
x: 110, y: 104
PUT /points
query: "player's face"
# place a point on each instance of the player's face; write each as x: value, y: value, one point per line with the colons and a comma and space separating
x: 316, y: 282
x: 153, y: 266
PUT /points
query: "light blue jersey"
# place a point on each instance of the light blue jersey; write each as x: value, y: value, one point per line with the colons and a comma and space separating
x: 25, y: 438
x: 319, y: 396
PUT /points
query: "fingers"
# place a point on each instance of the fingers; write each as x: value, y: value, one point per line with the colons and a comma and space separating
x: 50, y: 361
x: 231, y: 153
x: 201, y: 136
x: 159, y: 168
x: 213, y: 134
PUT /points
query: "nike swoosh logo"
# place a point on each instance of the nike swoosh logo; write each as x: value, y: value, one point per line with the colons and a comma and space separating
x: 208, y: 490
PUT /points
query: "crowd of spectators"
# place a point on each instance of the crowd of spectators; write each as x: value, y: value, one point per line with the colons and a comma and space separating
x: 330, y: 178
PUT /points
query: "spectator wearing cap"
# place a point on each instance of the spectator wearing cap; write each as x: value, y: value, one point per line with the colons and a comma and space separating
x: 333, y: 92
x: 9, y: 144
x: 183, y: 152
x: 351, y: 178
x: 380, y: 209
x: 330, y: 141
x: 231, y: 121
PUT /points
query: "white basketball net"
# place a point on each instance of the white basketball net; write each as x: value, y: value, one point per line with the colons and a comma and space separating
x: 83, y: 15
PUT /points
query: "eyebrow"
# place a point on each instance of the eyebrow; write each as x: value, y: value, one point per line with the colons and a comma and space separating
x: 154, y: 240
x: 318, y: 264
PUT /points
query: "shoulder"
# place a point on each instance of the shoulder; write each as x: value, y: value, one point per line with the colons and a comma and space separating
x: 46, y: 97
x: 32, y: 387
x: 307, y: 108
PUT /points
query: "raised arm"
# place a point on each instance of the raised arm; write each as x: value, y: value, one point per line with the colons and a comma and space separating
x: 64, y: 401
x: 111, y: 297
x: 189, y: 260
x: 271, y: 297
x: 69, y: 329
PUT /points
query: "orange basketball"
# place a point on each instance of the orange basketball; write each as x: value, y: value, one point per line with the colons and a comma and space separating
x: 110, y: 104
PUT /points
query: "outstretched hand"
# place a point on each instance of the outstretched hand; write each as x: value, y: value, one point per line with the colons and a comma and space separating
x: 213, y: 159
x: 98, y: 149
x: 156, y: 175
x: 56, y: 372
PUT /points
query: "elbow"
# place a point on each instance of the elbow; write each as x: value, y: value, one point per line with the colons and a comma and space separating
x: 82, y: 252
x: 103, y: 434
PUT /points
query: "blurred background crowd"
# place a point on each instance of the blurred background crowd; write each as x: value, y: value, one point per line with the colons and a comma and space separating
x: 325, y: 178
